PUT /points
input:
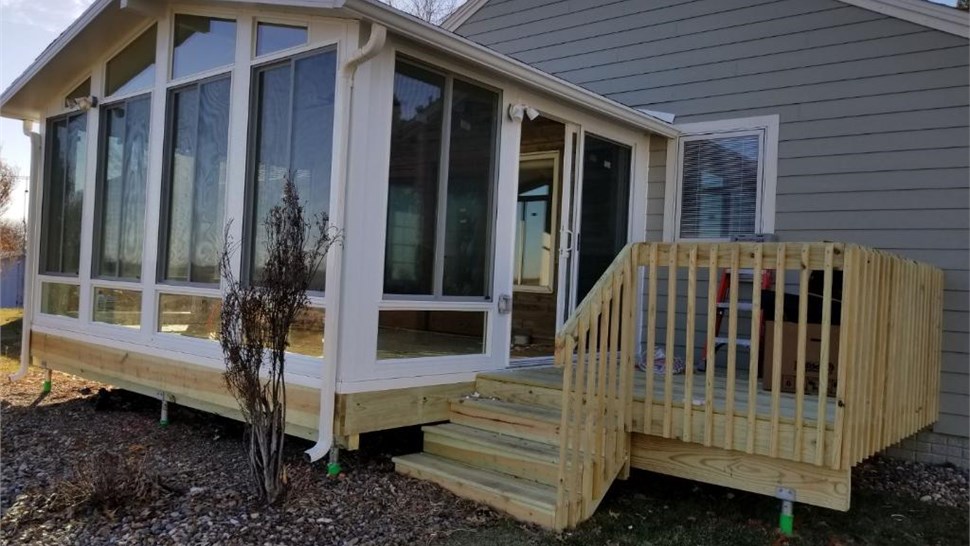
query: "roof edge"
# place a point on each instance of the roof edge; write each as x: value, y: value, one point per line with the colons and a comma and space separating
x: 462, y: 14
x: 921, y: 12
x: 53, y: 49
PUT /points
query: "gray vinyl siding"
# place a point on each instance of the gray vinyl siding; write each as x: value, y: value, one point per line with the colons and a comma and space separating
x: 874, y: 116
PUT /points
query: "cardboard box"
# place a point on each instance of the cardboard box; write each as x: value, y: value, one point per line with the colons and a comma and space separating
x: 789, y: 357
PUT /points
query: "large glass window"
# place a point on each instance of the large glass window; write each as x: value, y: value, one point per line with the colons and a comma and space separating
x: 440, y: 187
x: 189, y: 316
x: 63, y: 195
x: 121, y: 189
x: 202, y: 43
x: 60, y: 299
x: 294, y: 102
x: 196, y: 181
x: 134, y: 68
x: 118, y: 307
x: 271, y: 38
x: 422, y: 334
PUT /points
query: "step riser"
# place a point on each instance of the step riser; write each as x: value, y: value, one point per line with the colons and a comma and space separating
x: 514, y: 508
x: 525, y: 428
x: 480, y: 456
x: 519, y: 393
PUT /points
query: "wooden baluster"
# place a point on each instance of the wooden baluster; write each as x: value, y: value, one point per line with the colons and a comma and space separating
x: 589, y: 412
x: 628, y: 343
x: 801, y: 353
x: 615, y: 374
x: 776, y: 352
x: 824, y: 356
x: 710, y: 362
x: 578, y: 416
x: 732, y: 348
x: 756, y: 314
x: 567, y: 474
x: 688, y: 435
x: 601, y: 376
x: 651, y: 340
x: 670, y: 349
x: 841, y: 447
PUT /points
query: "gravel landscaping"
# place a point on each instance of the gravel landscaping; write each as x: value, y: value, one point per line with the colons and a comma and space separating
x: 201, y: 495
x: 79, y: 467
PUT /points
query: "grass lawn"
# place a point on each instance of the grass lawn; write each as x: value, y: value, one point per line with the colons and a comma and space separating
x: 11, y: 322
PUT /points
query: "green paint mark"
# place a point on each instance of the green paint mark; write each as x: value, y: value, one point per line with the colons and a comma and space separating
x: 333, y: 469
x: 786, y: 522
x: 47, y: 386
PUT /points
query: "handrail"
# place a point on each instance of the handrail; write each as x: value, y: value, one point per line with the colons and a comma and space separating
x: 594, y: 433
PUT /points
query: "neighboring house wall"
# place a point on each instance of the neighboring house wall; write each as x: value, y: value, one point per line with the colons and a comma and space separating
x: 874, y: 117
x: 12, y: 281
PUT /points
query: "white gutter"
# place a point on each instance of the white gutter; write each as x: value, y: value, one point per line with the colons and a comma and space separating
x: 35, y: 153
x: 433, y: 36
x: 328, y: 387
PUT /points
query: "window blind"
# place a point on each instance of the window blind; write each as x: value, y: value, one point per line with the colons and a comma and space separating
x: 719, y: 187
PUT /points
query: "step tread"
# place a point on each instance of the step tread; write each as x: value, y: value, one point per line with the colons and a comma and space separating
x: 538, y: 496
x: 486, y: 439
x: 529, y: 411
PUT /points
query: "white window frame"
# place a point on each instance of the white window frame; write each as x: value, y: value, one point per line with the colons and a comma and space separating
x: 766, y: 127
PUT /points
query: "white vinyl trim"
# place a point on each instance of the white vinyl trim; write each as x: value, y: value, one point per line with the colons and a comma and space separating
x: 462, y: 14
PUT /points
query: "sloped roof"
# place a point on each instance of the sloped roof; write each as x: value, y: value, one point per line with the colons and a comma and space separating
x: 921, y: 12
x: 92, y: 31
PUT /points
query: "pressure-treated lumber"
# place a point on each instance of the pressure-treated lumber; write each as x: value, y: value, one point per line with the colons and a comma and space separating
x: 361, y: 412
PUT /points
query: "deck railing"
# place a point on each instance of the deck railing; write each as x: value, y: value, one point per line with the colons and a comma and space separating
x: 874, y: 316
x: 881, y: 334
x: 596, y: 347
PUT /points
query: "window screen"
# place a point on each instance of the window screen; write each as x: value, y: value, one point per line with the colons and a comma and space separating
x: 719, y: 187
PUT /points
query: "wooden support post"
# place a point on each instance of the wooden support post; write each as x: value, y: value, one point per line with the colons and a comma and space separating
x: 688, y: 435
x: 754, y: 353
x: 709, y: 361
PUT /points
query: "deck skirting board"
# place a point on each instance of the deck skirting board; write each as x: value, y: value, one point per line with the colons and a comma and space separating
x: 815, y: 485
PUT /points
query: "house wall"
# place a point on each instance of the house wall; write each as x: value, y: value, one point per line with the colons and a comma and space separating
x: 874, y: 117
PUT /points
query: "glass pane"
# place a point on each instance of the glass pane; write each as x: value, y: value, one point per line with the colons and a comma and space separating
x: 134, y: 68
x: 122, y: 197
x: 534, y: 236
x: 720, y: 187
x: 604, y: 209
x: 296, y: 139
x: 471, y: 164
x: 199, y: 142
x: 270, y: 38
x: 121, y: 307
x: 416, y: 130
x: 202, y: 43
x: 306, y: 332
x: 64, y: 195
x: 190, y: 316
x: 53, y: 223
x: 82, y: 90
x: 413, y: 334
x: 59, y: 299
x: 77, y: 154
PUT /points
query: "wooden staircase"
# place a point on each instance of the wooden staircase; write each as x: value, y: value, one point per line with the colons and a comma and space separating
x: 501, y: 453
x: 547, y: 456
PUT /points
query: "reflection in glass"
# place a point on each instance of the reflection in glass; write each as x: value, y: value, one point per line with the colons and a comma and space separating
x: 271, y: 38
x: 469, y: 202
x: 121, y: 203
x: 60, y: 299
x: 63, y: 195
x: 534, y: 240
x: 202, y: 43
x: 197, y: 180
x: 134, y: 68
x: 605, y: 209
x: 720, y: 187
x: 415, y: 334
x: 294, y: 137
x: 190, y: 316
x: 306, y: 332
x: 120, y: 307
x: 416, y: 129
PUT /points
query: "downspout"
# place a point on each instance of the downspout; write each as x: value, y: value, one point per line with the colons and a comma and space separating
x: 28, y: 129
x: 328, y: 389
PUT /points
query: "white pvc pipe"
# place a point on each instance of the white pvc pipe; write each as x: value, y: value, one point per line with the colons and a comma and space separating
x: 328, y: 386
x: 30, y: 259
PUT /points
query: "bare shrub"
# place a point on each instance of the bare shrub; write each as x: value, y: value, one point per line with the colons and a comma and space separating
x: 255, y: 323
x: 107, y: 482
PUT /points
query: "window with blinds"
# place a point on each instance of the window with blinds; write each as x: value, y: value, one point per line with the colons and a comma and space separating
x: 719, y: 186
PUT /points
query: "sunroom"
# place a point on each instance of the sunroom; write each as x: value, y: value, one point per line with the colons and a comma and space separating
x: 478, y: 199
